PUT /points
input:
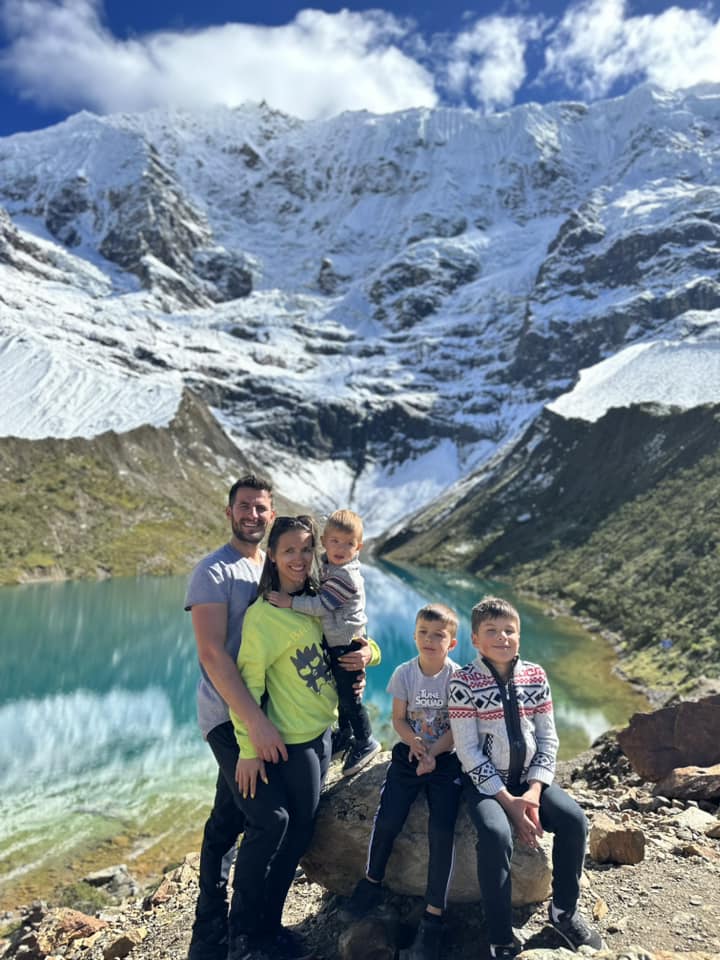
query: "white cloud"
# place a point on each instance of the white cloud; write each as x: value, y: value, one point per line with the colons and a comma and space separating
x: 61, y: 55
x: 488, y: 60
x: 597, y: 45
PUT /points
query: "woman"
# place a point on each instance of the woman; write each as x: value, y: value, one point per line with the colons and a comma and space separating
x: 281, y: 656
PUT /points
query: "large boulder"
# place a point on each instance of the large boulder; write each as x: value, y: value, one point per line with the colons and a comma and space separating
x: 612, y: 842
x: 691, y: 783
x: 686, y: 734
x: 338, y: 853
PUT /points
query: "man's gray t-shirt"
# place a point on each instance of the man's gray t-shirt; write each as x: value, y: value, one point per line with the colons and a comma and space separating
x: 225, y: 576
x: 427, y: 697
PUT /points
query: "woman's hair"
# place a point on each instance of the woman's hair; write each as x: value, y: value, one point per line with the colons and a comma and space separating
x: 269, y: 576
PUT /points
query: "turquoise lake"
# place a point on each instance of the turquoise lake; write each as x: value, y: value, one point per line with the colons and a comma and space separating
x: 101, y: 760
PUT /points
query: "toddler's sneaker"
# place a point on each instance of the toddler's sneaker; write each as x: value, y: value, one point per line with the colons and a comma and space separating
x: 341, y: 740
x: 358, y: 755
x: 575, y: 930
x: 365, y: 898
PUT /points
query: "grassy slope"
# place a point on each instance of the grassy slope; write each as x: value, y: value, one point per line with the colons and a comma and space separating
x: 145, y: 502
x: 620, y: 519
x: 650, y: 572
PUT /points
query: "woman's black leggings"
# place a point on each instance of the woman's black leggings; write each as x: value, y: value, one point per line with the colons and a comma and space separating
x: 279, y: 824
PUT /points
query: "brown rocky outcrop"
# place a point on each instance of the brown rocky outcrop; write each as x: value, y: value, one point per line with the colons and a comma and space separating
x: 336, y: 858
x: 685, y: 734
x: 691, y: 783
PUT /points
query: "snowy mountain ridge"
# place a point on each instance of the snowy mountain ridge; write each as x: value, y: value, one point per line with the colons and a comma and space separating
x: 371, y: 305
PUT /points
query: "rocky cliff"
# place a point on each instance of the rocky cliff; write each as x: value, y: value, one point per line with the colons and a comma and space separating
x: 618, y: 517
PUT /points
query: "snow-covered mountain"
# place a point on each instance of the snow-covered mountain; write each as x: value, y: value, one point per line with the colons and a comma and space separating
x: 372, y: 306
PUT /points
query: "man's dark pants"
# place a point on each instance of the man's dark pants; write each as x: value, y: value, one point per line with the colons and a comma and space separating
x: 225, y: 823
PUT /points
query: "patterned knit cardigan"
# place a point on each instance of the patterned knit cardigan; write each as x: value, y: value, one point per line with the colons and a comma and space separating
x: 483, y: 718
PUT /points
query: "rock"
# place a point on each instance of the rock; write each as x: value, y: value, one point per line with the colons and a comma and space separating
x: 600, y: 909
x: 372, y: 938
x: 686, y: 734
x: 175, y: 881
x: 612, y: 842
x: 713, y: 830
x: 115, y: 880
x: 58, y: 929
x: 695, y: 820
x: 696, y: 850
x: 122, y: 946
x: 691, y: 783
x: 344, y: 822
x: 628, y: 953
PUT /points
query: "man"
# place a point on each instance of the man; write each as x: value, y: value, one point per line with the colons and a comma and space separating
x: 221, y: 588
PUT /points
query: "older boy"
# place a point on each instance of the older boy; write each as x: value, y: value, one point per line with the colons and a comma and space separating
x: 502, y: 722
x: 341, y: 607
x: 423, y: 760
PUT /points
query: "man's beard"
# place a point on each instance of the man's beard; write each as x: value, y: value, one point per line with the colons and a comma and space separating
x: 246, y: 536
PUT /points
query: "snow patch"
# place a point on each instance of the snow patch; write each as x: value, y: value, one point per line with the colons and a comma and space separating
x: 669, y: 373
x: 54, y: 392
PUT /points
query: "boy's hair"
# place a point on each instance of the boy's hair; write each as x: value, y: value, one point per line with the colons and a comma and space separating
x: 490, y: 608
x: 440, y: 613
x: 347, y: 522
x: 251, y: 480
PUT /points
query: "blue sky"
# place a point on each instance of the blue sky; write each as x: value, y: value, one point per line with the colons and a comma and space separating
x: 61, y: 56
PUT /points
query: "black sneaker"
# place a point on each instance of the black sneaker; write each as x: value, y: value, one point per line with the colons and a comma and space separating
x: 244, y: 946
x: 366, y: 897
x: 285, y: 944
x: 209, y: 940
x: 575, y: 930
x: 503, y: 952
x: 341, y: 740
x: 358, y: 755
x: 426, y: 945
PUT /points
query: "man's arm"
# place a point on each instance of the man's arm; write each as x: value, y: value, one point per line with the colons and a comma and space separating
x: 209, y: 622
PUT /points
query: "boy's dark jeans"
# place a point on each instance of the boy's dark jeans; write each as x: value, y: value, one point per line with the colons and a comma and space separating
x: 559, y: 815
x: 443, y: 788
x: 351, y: 711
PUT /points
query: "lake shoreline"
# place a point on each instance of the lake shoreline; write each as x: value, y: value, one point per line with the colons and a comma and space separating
x: 118, y: 661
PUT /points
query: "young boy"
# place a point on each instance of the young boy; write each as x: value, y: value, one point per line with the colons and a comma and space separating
x: 502, y: 722
x: 341, y: 607
x: 422, y: 760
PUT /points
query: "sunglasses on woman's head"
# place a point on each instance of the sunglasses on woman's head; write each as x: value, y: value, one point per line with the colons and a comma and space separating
x: 291, y: 523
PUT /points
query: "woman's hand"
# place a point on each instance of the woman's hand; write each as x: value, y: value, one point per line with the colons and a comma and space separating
x: 246, y: 774
x: 356, y: 659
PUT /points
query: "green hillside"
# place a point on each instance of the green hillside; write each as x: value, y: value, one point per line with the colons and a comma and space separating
x: 649, y: 572
x: 149, y: 501
x: 619, y: 519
